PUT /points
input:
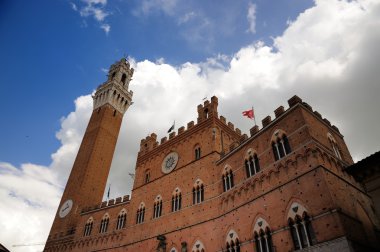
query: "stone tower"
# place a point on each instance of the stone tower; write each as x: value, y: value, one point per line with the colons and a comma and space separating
x: 86, y: 184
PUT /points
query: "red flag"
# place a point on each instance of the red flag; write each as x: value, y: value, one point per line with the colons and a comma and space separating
x: 249, y: 113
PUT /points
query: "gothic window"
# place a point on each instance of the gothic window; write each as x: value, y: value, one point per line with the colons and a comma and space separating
x: 232, y: 242
x: 88, y: 227
x: 147, y: 176
x: 227, y: 179
x: 263, y: 240
x: 198, y: 192
x: 113, y: 75
x: 123, y: 78
x: 140, y: 214
x: 198, y: 247
x: 334, y: 146
x: 104, y: 224
x: 121, y: 220
x: 252, y: 165
x: 300, y: 227
x: 176, y: 200
x: 197, y: 152
x: 280, y: 145
x: 157, y: 207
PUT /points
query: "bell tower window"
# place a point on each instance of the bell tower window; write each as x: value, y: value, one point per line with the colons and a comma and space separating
x: 123, y: 78
x: 113, y: 75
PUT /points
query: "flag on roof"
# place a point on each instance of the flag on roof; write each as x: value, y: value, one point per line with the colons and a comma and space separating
x: 249, y: 113
x: 171, y: 128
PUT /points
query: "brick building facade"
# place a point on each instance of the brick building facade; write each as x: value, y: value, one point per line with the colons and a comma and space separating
x: 211, y: 188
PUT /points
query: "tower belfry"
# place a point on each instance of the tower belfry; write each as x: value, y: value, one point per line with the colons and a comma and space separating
x: 86, y: 184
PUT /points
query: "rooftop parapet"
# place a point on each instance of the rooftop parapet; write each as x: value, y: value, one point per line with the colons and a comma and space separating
x: 109, y: 203
x: 294, y: 100
x: 254, y: 130
x: 279, y: 111
x: 208, y: 109
x: 266, y: 121
x: 149, y: 143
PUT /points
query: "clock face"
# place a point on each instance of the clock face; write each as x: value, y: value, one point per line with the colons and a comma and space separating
x: 170, y: 162
x: 65, y: 208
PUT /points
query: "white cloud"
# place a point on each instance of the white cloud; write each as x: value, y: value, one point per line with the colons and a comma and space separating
x: 148, y: 7
x: 328, y: 55
x: 96, y: 12
x: 106, y: 28
x: 29, y: 197
x: 74, y: 6
x: 251, y: 17
x: 95, y: 9
x: 185, y: 18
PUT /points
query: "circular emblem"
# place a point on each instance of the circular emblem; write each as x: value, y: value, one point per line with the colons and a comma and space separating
x: 170, y: 162
x: 65, y: 208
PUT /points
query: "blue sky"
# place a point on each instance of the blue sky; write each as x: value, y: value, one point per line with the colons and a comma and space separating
x: 51, y: 54
x: 256, y: 52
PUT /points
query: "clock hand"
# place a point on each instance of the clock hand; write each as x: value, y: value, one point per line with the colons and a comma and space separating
x: 65, y: 208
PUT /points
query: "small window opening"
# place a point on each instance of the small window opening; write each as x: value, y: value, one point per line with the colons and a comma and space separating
x: 123, y: 78
x: 206, y: 113
x: 197, y: 153
x: 147, y: 177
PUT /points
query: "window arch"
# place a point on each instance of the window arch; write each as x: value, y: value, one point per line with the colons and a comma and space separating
x: 227, y: 178
x: 123, y: 78
x: 198, y: 247
x: 176, y: 200
x: 334, y: 145
x: 300, y: 227
x: 232, y: 242
x: 262, y: 236
x: 121, y: 219
x: 104, y: 223
x: 113, y: 75
x: 140, y: 213
x: 198, y: 192
x: 252, y: 165
x: 157, y: 207
x: 88, y: 227
x: 280, y: 145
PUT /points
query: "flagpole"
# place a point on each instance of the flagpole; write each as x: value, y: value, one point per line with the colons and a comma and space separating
x: 254, y: 117
x: 108, y: 193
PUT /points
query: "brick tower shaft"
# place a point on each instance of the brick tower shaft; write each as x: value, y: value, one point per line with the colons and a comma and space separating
x: 86, y: 184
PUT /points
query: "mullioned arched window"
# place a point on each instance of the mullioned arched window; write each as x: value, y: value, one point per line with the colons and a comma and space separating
x: 121, y: 219
x: 280, y: 145
x: 140, y: 213
x: 88, y: 227
x: 262, y: 236
x: 300, y: 227
x: 252, y: 165
x: 198, y: 192
x: 334, y: 146
x: 176, y: 200
x: 104, y: 223
x: 157, y: 207
x: 232, y: 242
x: 227, y: 178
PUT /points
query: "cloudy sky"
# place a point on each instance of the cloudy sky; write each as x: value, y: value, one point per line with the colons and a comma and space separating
x: 247, y: 52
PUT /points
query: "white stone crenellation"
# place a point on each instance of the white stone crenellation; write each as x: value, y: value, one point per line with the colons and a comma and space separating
x: 115, y: 90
